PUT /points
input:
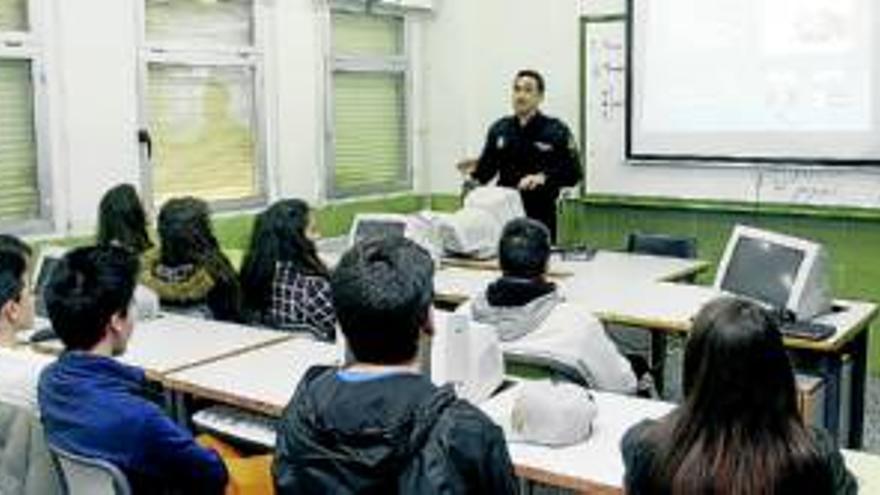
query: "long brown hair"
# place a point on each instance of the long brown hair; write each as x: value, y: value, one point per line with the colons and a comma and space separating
x: 738, y: 431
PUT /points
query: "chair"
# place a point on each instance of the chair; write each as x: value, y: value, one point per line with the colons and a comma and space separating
x: 86, y: 476
x: 542, y: 366
x: 662, y: 245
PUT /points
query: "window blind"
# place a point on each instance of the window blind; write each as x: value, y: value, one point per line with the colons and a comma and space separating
x: 367, y: 35
x: 13, y: 15
x: 369, y: 105
x: 18, y: 145
x: 369, y: 120
x: 202, y: 120
x: 216, y: 22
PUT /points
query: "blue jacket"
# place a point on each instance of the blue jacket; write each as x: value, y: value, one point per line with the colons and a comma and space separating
x: 92, y: 406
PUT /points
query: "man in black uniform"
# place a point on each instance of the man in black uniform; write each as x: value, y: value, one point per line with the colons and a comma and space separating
x: 531, y: 152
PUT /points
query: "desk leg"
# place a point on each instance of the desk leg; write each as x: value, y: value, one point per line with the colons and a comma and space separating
x: 859, y: 355
x: 830, y: 365
x: 658, y: 359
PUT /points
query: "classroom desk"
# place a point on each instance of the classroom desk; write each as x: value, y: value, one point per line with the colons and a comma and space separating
x: 866, y: 468
x: 596, y: 466
x: 174, y: 342
x: 458, y: 282
x: 260, y: 380
x: 667, y: 307
x: 622, y: 288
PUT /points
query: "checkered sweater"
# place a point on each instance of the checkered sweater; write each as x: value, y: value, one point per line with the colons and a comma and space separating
x: 302, y: 299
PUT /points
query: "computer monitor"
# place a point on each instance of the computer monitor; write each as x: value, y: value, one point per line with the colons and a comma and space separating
x: 475, y: 229
x: 414, y: 227
x: 780, y: 271
x: 48, y: 260
x: 370, y: 225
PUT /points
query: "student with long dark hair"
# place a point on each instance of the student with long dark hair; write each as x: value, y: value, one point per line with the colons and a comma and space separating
x: 189, y: 272
x: 283, y: 281
x: 122, y: 220
x: 738, y: 431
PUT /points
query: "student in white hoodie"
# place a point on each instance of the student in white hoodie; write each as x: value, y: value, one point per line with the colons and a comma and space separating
x: 533, y: 319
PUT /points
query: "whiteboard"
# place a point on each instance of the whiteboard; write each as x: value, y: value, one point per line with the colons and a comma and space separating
x: 603, y: 69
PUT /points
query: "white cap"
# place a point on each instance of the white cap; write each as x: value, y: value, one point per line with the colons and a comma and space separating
x: 553, y: 414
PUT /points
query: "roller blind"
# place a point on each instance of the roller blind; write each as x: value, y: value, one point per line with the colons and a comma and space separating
x: 369, y: 119
x: 367, y: 35
x: 215, y: 22
x: 202, y: 120
x: 18, y: 145
x: 369, y: 105
x: 13, y: 15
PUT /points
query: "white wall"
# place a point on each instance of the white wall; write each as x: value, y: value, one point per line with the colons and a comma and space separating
x: 96, y: 72
x: 474, y: 49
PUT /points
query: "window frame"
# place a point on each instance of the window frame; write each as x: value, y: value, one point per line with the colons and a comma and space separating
x: 400, y: 65
x: 30, y: 46
x: 176, y: 53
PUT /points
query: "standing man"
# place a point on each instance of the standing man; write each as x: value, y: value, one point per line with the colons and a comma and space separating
x: 531, y: 152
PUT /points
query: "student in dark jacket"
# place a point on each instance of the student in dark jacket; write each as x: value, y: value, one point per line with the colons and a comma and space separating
x: 378, y: 425
x: 189, y: 272
x: 91, y: 404
x: 738, y: 431
x: 283, y: 280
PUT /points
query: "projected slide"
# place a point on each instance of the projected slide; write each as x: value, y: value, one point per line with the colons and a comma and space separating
x: 755, y: 78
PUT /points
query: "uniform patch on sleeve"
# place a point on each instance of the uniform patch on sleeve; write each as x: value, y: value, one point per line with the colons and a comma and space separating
x: 542, y: 146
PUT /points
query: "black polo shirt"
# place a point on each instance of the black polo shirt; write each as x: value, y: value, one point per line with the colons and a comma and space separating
x: 544, y: 145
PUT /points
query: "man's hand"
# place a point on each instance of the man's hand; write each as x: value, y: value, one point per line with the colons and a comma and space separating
x: 532, y: 181
x: 466, y: 167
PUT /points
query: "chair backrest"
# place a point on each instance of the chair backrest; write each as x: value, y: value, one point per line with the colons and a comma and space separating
x: 89, y: 476
x: 545, y: 366
x: 662, y: 245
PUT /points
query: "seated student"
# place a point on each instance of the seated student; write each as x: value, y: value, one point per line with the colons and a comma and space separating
x: 282, y: 279
x: 19, y: 368
x: 738, y: 430
x: 91, y: 403
x: 378, y: 425
x: 189, y: 272
x: 531, y: 316
x: 25, y: 464
x: 122, y: 220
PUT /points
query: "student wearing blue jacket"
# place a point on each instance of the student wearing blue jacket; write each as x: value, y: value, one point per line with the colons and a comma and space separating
x: 91, y: 404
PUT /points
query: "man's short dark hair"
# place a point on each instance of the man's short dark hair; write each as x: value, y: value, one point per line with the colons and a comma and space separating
x: 9, y: 242
x: 382, y: 292
x: 88, y: 287
x: 12, y: 267
x: 524, y: 248
x: 539, y: 79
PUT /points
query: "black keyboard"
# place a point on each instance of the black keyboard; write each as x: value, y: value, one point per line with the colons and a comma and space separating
x: 808, y: 330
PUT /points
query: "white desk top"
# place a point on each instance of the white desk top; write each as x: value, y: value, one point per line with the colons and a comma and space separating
x: 597, y: 466
x: 172, y: 342
x: 866, y: 468
x: 607, y: 268
x: 591, y: 465
x: 260, y: 380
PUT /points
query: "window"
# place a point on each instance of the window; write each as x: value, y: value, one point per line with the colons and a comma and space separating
x: 368, y: 150
x: 200, y: 101
x: 20, y: 164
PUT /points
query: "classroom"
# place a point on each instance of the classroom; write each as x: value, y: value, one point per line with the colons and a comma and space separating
x: 687, y: 171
